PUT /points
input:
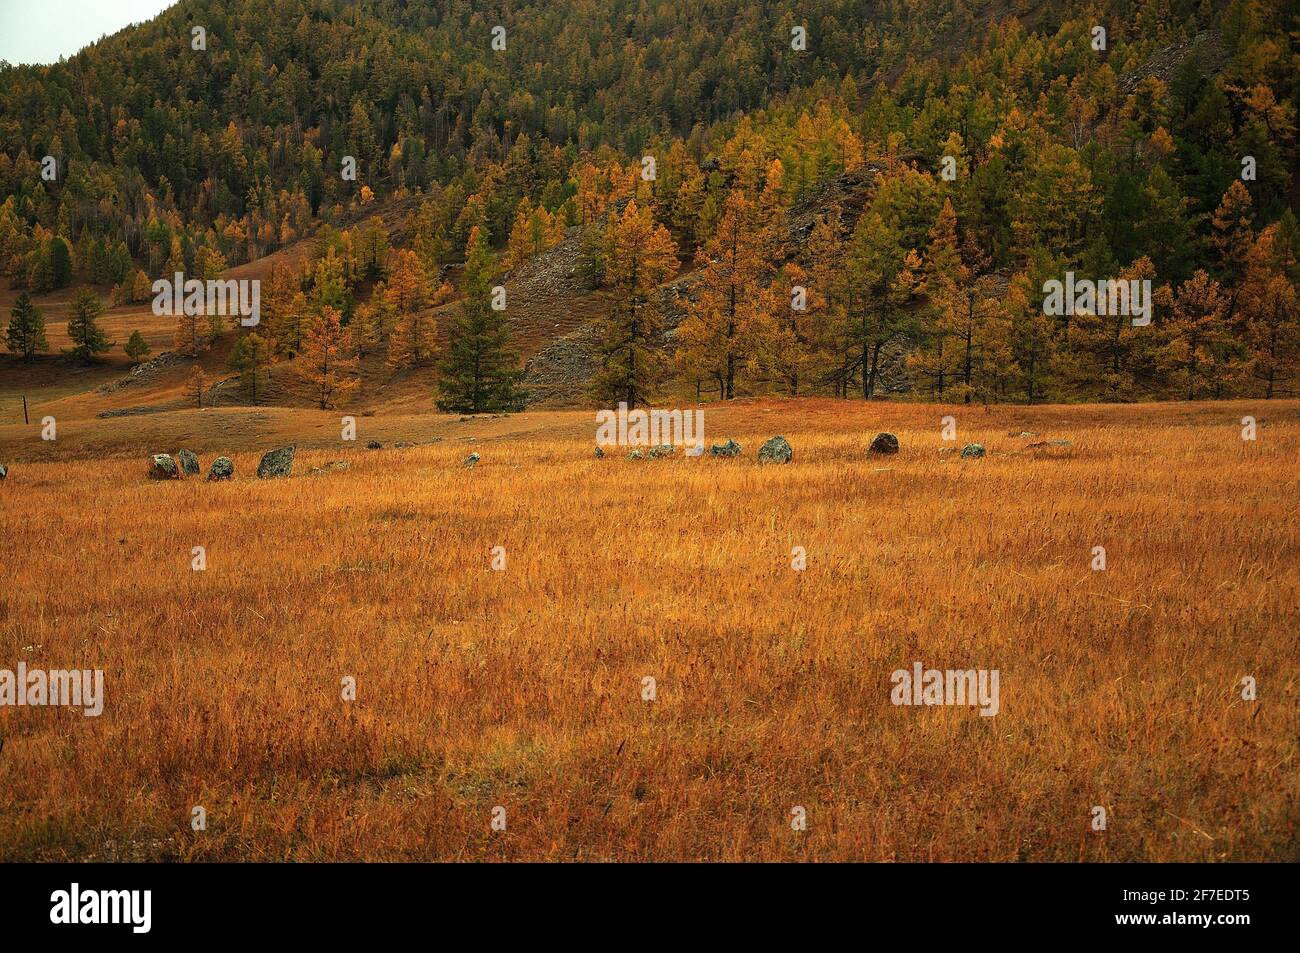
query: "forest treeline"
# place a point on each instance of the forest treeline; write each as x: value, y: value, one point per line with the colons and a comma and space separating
x: 1061, y: 157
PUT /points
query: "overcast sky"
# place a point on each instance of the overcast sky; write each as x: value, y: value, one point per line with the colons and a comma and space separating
x: 40, y: 31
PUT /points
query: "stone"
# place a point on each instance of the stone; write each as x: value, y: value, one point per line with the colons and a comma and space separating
x: 163, y: 467
x: 223, y: 468
x: 883, y: 443
x: 776, y: 450
x: 472, y: 459
x: 728, y: 449
x: 600, y: 454
x: 374, y: 445
x: 663, y: 450
x: 189, y: 462
x: 635, y: 455
x: 973, y: 451
x: 4, y: 471
x: 276, y: 463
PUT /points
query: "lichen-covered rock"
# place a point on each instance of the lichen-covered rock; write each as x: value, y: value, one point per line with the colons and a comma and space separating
x: 776, y: 450
x: 884, y: 443
x: 663, y: 450
x: 599, y: 453
x: 276, y: 463
x: 163, y: 467
x: 374, y: 445
x: 223, y: 468
x: 472, y: 459
x: 4, y: 471
x: 635, y: 455
x: 189, y: 462
x: 972, y: 451
x: 728, y: 449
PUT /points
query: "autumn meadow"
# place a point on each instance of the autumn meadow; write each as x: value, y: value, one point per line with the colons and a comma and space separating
x: 522, y: 688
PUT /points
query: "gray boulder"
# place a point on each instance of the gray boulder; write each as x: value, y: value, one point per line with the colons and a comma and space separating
x: 163, y: 467
x: 276, y: 463
x: 4, y: 471
x: 728, y: 449
x: 776, y: 450
x: 472, y: 459
x: 635, y: 455
x: 189, y: 462
x: 973, y: 451
x: 223, y: 468
x: 663, y: 450
x: 599, y: 453
x: 883, y: 443
x: 374, y: 445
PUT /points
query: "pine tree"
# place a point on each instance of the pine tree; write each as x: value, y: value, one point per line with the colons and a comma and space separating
x: 196, y: 385
x: 883, y: 284
x: 1199, y: 333
x: 191, y: 332
x: 719, y: 335
x: 250, y: 357
x: 1269, y: 306
x: 414, y: 338
x: 784, y: 340
x: 282, y: 324
x: 1232, y: 238
x: 1032, y: 339
x: 1117, y: 359
x: 480, y: 372
x: 136, y: 348
x: 60, y: 262
x: 519, y: 247
x: 323, y: 363
x: 364, y: 329
x: 26, y: 334
x: 87, y: 336
x: 640, y: 256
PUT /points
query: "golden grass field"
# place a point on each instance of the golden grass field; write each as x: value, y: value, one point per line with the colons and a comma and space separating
x: 522, y: 688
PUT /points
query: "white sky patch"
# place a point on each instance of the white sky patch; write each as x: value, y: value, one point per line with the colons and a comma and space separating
x: 44, y: 31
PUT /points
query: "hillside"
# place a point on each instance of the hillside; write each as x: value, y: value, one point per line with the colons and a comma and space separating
x: 1121, y: 161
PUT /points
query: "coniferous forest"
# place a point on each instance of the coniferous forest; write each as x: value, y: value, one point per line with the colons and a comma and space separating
x: 917, y: 170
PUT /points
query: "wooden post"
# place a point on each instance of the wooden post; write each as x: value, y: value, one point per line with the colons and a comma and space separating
x: 25, y: 420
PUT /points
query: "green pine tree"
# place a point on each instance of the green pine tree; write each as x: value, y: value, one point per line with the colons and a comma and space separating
x: 480, y: 373
x: 60, y: 262
x: 250, y: 356
x: 136, y: 348
x: 26, y: 333
x: 87, y: 336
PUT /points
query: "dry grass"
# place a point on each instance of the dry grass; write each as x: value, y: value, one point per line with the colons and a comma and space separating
x: 522, y: 688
